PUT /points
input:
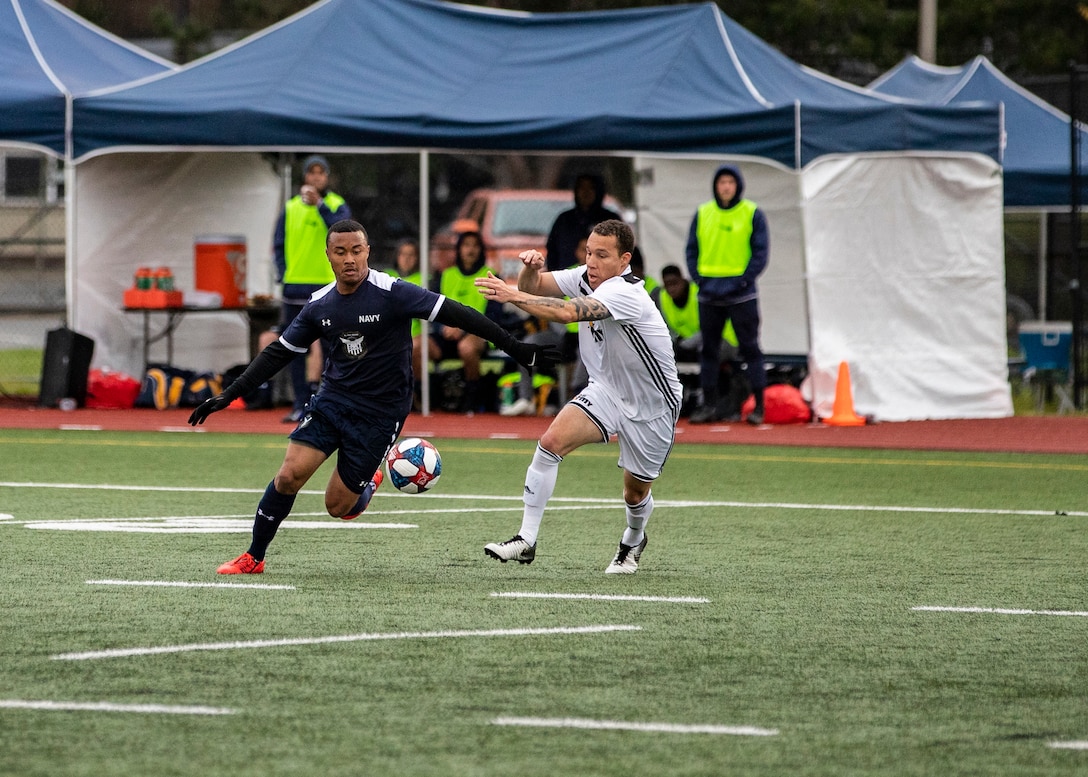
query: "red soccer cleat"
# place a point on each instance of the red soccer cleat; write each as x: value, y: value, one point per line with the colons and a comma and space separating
x: 243, y: 565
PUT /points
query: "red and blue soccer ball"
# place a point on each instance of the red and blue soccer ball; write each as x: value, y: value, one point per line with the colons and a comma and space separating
x: 414, y: 465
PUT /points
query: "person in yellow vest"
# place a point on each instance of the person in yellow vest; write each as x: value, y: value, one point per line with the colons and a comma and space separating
x: 728, y: 246
x: 301, y: 265
x: 458, y: 282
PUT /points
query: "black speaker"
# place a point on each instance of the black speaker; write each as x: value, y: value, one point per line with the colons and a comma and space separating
x: 65, y: 366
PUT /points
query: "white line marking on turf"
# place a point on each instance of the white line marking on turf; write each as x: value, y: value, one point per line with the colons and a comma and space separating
x: 195, y: 525
x: 618, y: 725
x: 1000, y: 611
x: 1068, y: 745
x: 182, y: 584
x: 105, y: 706
x: 263, y: 643
x: 601, y: 597
x: 475, y: 498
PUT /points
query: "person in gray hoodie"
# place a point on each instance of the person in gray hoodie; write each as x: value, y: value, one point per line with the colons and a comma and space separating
x: 727, y: 250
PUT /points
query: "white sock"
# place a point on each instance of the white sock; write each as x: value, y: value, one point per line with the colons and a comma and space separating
x: 637, y: 516
x: 539, y: 484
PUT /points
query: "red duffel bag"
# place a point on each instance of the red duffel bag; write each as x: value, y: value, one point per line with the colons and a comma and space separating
x: 782, y: 404
x: 111, y: 390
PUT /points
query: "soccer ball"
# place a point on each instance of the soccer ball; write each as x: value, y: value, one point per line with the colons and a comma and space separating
x: 414, y: 465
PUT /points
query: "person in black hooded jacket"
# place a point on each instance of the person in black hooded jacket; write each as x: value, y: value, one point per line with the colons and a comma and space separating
x: 727, y: 249
x: 572, y: 226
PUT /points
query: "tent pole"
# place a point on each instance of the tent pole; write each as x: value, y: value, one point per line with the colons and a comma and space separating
x: 1044, y: 242
x: 927, y: 30
x: 1074, y: 232
x: 424, y: 275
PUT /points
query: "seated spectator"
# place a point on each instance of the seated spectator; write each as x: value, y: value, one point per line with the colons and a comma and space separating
x: 406, y: 267
x: 458, y: 283
x: 638, y: 267
x: 565, y: 338
x: 677, y: 299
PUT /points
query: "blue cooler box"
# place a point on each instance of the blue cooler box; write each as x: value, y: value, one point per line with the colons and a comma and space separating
x: 1046, y: 344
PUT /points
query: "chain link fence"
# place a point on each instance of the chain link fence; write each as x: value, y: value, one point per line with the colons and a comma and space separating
x: 32, y: 297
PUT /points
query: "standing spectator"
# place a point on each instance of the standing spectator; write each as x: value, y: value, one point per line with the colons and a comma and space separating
x: 727, y: 250
x: 301, y: 264
x: 573, y: 225
x: 363, y: 318
x: 633, y: 390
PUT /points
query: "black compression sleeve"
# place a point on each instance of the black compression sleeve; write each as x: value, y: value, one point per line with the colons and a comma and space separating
x: 268, y: 362
x: 453, y: 313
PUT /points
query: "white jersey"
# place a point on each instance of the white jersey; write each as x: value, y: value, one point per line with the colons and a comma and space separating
x: 631, y: 352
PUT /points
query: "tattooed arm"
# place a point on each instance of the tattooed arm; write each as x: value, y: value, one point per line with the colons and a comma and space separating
x: 565, y: 311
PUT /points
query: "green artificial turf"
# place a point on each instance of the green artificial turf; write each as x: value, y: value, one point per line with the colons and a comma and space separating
x: 811, y: 562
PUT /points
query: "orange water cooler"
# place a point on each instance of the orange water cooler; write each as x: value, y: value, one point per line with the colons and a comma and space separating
x: 221, y: 267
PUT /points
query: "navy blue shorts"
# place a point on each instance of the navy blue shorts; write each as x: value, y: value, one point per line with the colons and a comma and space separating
x: 361, y: 438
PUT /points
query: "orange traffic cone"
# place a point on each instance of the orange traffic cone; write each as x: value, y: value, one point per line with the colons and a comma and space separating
x: 842, y: 414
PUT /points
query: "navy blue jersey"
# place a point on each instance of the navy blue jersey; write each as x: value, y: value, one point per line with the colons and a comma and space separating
x: 367, y: 337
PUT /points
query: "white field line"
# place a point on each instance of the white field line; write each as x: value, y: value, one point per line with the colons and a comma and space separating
x: 1000, y: 611
x: 182, y: 584
x: 181, y: 525
x: 1074, y: 745
x: 617, y: 725
x: 581, y: 502
x: 264, y: 643
x: 105, y: 706
x: 601, y: 597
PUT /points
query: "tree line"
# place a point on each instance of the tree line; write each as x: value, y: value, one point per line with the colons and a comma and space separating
x: 855, y: 40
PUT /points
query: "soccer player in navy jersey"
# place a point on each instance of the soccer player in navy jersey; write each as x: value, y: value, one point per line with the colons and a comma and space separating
x: 364, y: 320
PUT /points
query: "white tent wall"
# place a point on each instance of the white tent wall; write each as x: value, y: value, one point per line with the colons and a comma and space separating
x: 667, y: 192
x: 906, y: 283
x: 147, y: 209
x: 893, y: 263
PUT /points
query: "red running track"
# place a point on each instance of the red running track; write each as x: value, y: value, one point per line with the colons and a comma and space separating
x: 1043, y: 434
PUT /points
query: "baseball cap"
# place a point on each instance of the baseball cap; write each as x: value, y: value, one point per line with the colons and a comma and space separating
x: 315, y: 159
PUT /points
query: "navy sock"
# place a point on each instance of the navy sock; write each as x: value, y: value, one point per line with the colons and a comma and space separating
x: 271, y: 511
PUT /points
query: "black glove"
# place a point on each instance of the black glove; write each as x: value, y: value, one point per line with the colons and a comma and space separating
x: 534, y: 356
x: 207, y: 407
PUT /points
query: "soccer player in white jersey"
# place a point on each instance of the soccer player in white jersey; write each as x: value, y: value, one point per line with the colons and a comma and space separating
x: 633, y: 392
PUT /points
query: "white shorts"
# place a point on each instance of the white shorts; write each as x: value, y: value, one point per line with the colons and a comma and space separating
x: 644, y: 445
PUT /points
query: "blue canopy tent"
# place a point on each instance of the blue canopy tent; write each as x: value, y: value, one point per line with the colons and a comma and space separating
x: 1037, y: 161
x: 681, y: 84
x: 420, y: 74
x: 49, y: 54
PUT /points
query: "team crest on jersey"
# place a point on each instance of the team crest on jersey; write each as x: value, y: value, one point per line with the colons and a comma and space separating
x: 354, y: 344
